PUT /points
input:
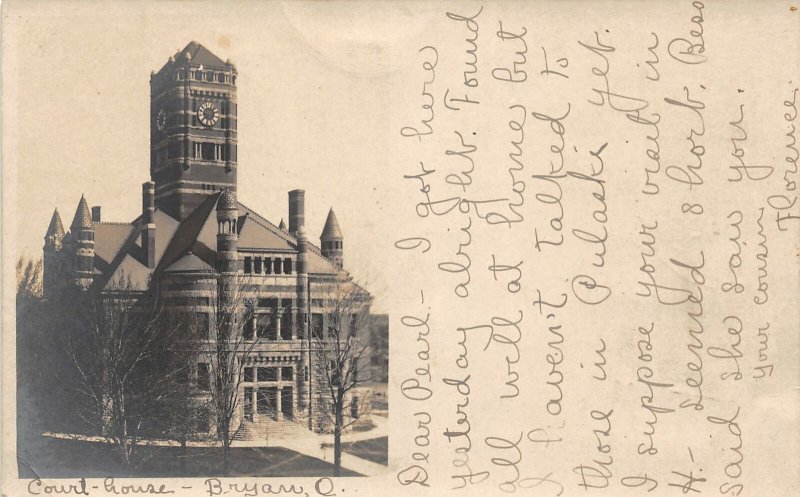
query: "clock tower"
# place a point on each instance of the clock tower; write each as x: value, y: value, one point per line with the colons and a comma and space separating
x: 192, y: 129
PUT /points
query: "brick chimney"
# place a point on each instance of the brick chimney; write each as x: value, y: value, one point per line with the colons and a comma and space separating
x: 297, y: 209
x: 148, y: 223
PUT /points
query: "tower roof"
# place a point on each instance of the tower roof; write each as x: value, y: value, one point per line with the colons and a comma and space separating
x: 332, y: 231
x: 83, y: 218
x: 227, y: 200
x: 200, y: 55
x: 55, y: 229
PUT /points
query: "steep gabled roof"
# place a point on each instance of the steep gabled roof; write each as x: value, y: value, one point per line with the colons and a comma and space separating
x: 258, y: 233
x: 202, y: 55
x: 331, y: 231
x: 189, y: 245
x: 186, y: 236
x: 56, y: 229
x: 265, y: 235
x: 110, y: 239
x: 83, y: 218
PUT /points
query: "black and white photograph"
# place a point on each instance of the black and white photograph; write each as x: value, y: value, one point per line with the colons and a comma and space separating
x: 353, y: 248
x: 198, y: 336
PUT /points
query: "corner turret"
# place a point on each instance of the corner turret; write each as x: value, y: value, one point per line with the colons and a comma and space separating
x: 332, y: 240
x: 53, y: 255
x: 82, y: 237
x: 227, y: 259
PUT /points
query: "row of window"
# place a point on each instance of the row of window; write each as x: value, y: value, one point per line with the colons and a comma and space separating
x: 262, y: 326
x: 251, y: 375
x: 260, y: 374
x: 200, y: 150
x: 209, y: 76
x: 204, y: 75
x: 270, y: 374
x: 267, y: 265
x: 267, y: 326
x: 211, y: 151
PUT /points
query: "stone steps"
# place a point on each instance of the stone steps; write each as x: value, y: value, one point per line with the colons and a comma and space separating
x: 268, y: 429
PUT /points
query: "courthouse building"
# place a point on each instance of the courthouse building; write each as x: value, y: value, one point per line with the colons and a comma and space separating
x: 193, y: 233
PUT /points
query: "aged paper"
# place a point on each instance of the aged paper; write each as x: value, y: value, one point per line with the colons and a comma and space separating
x: 581, y: 220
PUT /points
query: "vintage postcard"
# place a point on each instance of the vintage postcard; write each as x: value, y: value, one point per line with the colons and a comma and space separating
x: 357, y: 248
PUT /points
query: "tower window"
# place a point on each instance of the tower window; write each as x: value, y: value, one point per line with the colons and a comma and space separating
x: 250, y: 329
x: 257, y: 266
x: 268, y: 265
x: 287, y: 266
x: 248, y: 265
x: 208, y: 151
x: 220, y: 78
x: 210, y: 76
x: 203, y: 378
x: 277, y: 266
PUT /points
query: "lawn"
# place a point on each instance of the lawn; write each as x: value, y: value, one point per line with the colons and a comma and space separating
x: 55, y: 458
x: 374, y: 449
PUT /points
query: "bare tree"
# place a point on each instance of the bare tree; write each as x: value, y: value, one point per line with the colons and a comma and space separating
x: 118, y: 339
x: 29, y: 282
x: 341, y: 354
x: 33, y: 349
x: 181, y: 404
x: 235, y: 332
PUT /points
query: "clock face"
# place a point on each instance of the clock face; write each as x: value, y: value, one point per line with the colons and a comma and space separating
x: 207, y: 114
x: 161, y: 120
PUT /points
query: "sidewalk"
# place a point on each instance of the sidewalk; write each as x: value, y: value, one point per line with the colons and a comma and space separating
x: 311, y: 444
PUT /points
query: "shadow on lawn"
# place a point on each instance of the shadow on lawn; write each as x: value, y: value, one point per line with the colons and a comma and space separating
x: 374, y: 449
x: 55, y: 458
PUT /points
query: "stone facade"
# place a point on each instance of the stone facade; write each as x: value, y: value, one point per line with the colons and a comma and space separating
x: 206, y: 250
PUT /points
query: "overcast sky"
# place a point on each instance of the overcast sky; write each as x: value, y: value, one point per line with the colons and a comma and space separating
x: 313, y: 109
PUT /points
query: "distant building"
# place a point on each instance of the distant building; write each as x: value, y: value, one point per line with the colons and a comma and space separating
x: 193, y: 233
x: 379, y: 349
